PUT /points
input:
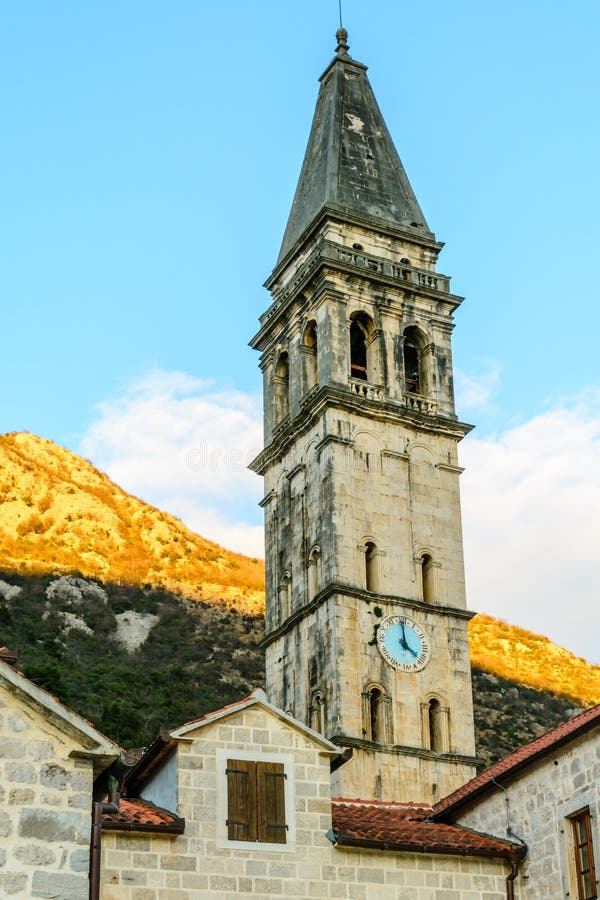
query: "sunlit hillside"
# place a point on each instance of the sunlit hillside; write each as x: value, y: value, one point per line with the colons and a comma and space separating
x: 530, y: 659
x: 60, y: 514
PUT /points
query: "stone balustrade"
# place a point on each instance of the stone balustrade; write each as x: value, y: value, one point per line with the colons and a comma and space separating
x: 421, y: 404
x: 364, y: 389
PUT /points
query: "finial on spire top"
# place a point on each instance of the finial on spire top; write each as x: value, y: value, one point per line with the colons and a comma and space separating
x: 342, y: 39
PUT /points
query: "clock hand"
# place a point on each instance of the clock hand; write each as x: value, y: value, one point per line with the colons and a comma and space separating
x: 403, y: 643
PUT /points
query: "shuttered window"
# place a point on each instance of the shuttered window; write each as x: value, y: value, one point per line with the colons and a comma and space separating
x: 256, y: 801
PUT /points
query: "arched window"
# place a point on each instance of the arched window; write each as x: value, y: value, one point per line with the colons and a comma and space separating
x: 309, y: 353
x: 358, y: 350
x: 435, y: 723
x: 377, y: 714
x: 281, y: 380
x: 364, y: 357
x: 413, y: 380
x: 317, y: 712
x: 428, y: 578
x: 365, y: 352
x: 371, y: 567
x: 314, y: 579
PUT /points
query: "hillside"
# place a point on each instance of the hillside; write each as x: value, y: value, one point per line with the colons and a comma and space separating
x: 60, y: 514
x: 518, y: 655
x: 132, y: 659
x: 111, y: 603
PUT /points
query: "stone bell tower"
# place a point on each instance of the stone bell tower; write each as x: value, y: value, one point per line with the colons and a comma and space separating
x: 366, y: 629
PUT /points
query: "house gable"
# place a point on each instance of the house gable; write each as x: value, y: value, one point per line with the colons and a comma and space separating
x: 48, y: 759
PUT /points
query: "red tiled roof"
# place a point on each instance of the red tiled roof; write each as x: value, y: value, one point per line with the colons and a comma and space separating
x: 522, y: 757
x: 407, y: 827
x: 141, y: 815
x: 408, y: 810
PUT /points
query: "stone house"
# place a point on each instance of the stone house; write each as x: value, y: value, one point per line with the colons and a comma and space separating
x: 239, y: 803
x: 49, y: 760
x: 546, y: 794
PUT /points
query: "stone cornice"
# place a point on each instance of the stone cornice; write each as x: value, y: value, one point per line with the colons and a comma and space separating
x: 300, y: 467
x: 268, y: 498
x: 401, y: 750
x: 348, y: 590
x: 446, y: 467
x: 344, y: 216
x: 328, y: 396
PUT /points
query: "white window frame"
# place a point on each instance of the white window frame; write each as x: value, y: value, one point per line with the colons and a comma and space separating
x: 287, y: 760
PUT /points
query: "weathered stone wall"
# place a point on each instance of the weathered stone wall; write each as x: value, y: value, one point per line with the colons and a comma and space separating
x: 332, y: 651
x: 199, y: 866
x: 347, y: 480
x: 45, y: 807
x: 152, y: 868
x: 538, y: 804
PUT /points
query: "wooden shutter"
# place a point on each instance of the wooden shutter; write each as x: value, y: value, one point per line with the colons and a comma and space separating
x: 241, y: 800
x: 270, y: 778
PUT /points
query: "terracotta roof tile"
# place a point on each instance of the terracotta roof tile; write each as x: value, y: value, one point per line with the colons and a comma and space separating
x: 408, y: 810
x: 523, y: 756
x: 407, y: 827
x: 136, y: 815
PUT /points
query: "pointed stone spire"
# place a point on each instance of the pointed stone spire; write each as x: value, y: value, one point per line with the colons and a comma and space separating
x: 351, y: 165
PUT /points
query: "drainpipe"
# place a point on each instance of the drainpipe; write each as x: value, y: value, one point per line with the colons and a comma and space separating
x: 510, y: 879
x: 98, y: 809
x: 522, y: 852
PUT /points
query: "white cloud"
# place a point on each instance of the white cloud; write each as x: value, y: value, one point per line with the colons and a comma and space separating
x: 475, y: 391
x: 531, y: 518
x: 182, y: 444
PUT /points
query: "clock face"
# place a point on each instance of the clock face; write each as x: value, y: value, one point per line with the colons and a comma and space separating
x: 403, y: 644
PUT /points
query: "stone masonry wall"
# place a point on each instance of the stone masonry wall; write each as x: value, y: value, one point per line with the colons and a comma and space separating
x: 194, y: 866
x: 538, y: 805
x: 45, y: 808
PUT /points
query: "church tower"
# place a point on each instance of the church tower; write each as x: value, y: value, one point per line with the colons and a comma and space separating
x: 366, y: 623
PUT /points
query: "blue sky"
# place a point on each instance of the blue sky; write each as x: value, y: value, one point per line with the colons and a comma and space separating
x: 150, y: 153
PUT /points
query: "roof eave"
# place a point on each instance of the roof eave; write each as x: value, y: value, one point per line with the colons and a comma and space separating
x: 347, y: 840
x: 175, y: 827
x: 158, y: 751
